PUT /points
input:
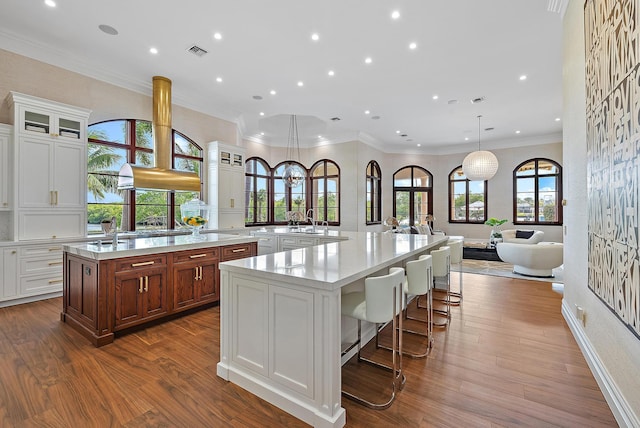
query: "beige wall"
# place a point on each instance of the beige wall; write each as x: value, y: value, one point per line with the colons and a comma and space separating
x: 616, y: 347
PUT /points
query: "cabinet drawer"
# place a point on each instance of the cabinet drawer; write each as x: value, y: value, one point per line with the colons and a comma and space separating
x: 33, y: 285
x: 142, y: 263
x: 201, y: 254
x: 237, y: 251
x: 41, y: 265
x: 52, y: 250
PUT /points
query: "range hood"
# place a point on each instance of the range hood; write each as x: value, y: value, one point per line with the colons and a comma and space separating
x: 161, y: 176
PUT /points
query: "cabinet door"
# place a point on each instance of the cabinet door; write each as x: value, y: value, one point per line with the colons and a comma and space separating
x: 184, y: 284
x: 155, y: 294
x: 4, y: 168
x: 231, y: 192
x: 9, y: 275
x: 128, y: 305
x: 35, y: 172
x: 209, y: 289
x: 69, y: 179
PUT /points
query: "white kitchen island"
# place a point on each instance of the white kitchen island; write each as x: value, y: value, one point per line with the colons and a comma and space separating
x: 280, y: 320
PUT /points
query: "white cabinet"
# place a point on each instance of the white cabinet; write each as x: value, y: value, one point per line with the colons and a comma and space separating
x: 226, y: 185
x: 40, y: 270
x: 5, y: 168
x: 294, y: 242
x: 51, y: 168
x: 8, y: 274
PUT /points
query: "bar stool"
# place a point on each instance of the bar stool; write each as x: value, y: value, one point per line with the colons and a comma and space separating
x: 418, y: 282
x: 441, y: 259
x: 456, y: 245
x: 380, y: 303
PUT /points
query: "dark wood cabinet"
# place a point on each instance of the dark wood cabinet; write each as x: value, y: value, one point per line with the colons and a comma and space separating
x: 102, y: 297
x: 195, y: 278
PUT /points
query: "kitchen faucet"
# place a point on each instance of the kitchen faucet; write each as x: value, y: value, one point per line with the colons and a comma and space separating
x: 310, y: 217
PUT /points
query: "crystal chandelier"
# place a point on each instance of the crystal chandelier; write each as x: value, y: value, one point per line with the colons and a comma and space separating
x: 480, y: 165
x: 293, y: 174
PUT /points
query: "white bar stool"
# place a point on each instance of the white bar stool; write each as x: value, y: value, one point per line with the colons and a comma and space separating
x: 418, y: 282
x: 456, y: 248
x: 441, y: 259
x: 380, y: 303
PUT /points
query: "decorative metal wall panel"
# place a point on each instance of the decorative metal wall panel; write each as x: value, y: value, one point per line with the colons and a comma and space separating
x: 612, y: 43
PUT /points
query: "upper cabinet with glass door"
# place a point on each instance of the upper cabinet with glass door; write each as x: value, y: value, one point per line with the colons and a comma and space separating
x: 49, y: 118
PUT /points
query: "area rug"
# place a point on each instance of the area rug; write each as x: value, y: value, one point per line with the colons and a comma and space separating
x: 487, y: 267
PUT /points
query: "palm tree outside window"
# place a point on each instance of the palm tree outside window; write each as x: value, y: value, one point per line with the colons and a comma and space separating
x: 467, y: 199
x: 257, y: 198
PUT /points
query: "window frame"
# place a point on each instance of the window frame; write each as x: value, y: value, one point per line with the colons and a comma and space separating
x: 412, y: 190
x: 453, y: 172
x: 373, y: 177
x: 254, y: 178
x: 536, y: 192
x: 131, y: 148
x: 325, y: 194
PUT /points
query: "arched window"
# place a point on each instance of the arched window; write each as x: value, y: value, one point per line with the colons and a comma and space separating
x: 412, y: 195
x: 258, y: 197
x: 374, y: 193
x: 324, y: 178
x: 287, y: 198
x: 537, y: 192
x: 467, y: 199
x: 116, y: 142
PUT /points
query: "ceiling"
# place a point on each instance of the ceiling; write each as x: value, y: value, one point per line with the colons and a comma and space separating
x: 465, y: 50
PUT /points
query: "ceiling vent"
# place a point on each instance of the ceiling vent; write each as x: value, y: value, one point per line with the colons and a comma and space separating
x: 477, y: 100
x: 335, y: 119
x: 197, y: 50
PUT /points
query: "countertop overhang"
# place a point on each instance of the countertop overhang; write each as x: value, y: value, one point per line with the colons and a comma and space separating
x: 153, y: 245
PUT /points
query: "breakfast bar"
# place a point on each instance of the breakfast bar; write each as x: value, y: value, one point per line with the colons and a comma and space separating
x: 280, y: 321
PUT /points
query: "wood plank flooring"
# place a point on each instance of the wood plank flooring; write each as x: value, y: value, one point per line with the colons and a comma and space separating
x: 507, y: 359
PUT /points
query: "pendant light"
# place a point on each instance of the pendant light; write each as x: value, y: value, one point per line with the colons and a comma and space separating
x: 480, y: 165
x: 293, y: 174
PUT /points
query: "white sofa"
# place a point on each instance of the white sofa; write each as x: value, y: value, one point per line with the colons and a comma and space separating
x: 509, y: 235
x: 532, y: 260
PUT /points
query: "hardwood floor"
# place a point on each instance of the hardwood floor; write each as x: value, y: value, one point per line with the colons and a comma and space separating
x: 506, y: 359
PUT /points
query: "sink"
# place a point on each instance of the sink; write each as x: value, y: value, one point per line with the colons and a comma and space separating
x: 105, y: 242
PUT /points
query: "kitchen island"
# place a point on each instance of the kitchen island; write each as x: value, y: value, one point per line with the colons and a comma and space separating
x: 110, y: 288
x: 280, y: 321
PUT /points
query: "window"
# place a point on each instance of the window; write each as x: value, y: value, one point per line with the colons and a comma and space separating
x: 374, y: 193
x: 324, y: 177
x: 537, y: 192
x: 287, y: 198
x: 467, y: 199
x: 412, y: 195
x: 257, y: 178
x: 116, y: 142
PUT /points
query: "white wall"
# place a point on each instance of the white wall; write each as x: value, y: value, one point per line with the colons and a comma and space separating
x: 614, y: 350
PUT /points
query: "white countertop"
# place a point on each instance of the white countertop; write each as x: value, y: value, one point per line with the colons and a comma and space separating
x: 304, y: 231
x: 336, y: 264
x: 154, y: 245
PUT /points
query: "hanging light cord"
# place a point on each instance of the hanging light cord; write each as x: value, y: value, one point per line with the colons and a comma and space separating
x: 293, y: 138
x: 479, y: 116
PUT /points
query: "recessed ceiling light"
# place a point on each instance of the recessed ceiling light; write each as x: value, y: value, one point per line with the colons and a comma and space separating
x: 419, y: 145
x: 108, y: 29
x: 319, y: 136
x: 331, y: 73
x: 367, y: 112
x: 315, y: 37
x: 261, y: 113
x: 435, y: 97
x: 412, y: 45
x: 395, y: 14
x: 517, y: 132
x: 50, y: 3
x: 153, y: 51
x: 523, y: 77
x: 262, y: 133
x: 466, y: 138
x: 301, y: 83
x: 272, y: 92
x: 368, y: 60
x: 557, y: 119
x: 217, y: 36
x: 397, y: 132
x: 219, y: 79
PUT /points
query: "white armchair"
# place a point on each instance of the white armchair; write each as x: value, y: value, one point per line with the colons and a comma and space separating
x: 532, y: 260
x: 519, y: 236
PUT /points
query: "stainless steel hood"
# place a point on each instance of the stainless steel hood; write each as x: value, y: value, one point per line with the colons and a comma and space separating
x: 161, y: 176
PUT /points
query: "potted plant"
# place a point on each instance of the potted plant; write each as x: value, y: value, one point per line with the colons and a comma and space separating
x: 496, y: 234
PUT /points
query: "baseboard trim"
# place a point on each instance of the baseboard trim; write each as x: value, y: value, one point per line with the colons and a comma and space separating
x: 621, y: 410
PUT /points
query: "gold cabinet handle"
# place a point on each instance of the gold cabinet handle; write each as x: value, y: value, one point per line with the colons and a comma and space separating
x: 196, y: 273
x: 50, y: 197
x: 55, y: 193
x: 142, y: 264
x: 55, y: 281
x: 13, y: 251
x: 55, y: 249
x: 239, y: 250
x: 140, y: 284
x: 200, y: 272
x: 146, y: 283
x: 197, y: 256
x: 232, y: 203
x: 54, y: 263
